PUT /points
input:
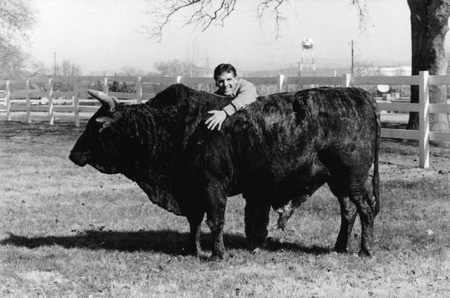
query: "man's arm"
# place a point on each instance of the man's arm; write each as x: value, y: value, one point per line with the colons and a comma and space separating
x: 245, y: 95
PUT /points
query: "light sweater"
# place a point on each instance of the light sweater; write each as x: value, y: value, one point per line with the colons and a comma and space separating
x: 244, y: 93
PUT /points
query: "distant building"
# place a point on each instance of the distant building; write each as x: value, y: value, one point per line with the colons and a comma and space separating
x: 391, y: 71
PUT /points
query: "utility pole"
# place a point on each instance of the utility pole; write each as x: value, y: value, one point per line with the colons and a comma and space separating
x: 353, y: 57
x: 54, y: 64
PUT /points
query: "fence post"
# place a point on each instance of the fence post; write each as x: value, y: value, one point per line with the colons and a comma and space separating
x: 280, y: 86
x: 50, y: 102
x: 27, y: 88
x: 8, y: 101
x: 76, y: 103
x: 139, y: 90
x: 346, y: 80
x: 105, y: 85
x: 424, y: 119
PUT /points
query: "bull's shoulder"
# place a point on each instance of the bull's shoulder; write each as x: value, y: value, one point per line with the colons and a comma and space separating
x: 182, y: 97
x: 171, y: 96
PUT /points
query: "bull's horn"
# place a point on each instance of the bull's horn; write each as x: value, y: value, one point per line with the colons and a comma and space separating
x: 104, y: 99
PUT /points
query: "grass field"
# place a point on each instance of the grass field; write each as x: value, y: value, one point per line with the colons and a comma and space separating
x: 67, y: 231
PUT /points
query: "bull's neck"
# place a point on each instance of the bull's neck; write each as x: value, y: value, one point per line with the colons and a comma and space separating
x: 147, y: 123
x: 153, y: 137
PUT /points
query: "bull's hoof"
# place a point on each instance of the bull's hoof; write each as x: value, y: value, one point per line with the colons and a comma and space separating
x: 255, y: 250
x: 218, y: 254
x: 365, y: 253
x: 218, y: 258
x: 257, y: 246
x: 193, y: 250
x: 341, y: 249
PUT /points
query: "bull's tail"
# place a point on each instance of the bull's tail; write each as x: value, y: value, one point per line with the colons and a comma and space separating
x: 376, y: 176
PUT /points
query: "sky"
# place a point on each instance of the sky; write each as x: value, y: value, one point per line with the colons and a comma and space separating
x: 107, y: 35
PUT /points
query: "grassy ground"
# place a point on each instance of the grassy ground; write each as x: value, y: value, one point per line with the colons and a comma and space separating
x: 67, y: 231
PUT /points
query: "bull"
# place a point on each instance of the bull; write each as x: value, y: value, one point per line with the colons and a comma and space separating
x: 277, y: 152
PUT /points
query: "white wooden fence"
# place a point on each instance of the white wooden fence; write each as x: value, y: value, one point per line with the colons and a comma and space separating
x: 76, y: 102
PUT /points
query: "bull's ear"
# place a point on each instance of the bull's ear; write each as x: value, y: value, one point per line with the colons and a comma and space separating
x: 104, y: 99
x: 105, y: 121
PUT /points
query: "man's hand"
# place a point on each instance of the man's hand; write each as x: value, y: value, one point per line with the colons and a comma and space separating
x: 216, y: 119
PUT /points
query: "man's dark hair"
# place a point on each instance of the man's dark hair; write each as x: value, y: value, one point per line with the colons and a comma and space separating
x: 224, y: 67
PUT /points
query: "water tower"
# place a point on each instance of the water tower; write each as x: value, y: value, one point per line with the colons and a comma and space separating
x: 307, y: 62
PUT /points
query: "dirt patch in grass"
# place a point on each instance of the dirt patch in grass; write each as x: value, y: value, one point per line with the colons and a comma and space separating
x: 399, y: 159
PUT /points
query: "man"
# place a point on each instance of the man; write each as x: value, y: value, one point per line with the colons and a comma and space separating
x: 241, y: 93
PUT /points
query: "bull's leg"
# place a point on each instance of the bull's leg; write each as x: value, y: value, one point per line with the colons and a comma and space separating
x: 348, y: 215
x: 367, y: 221
x: 195, y: 222
x: 256, y: 222
x: 367, y: 211
x: 216, y: 221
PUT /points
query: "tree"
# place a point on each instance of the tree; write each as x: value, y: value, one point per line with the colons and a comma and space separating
x: 12, y: 60
x: 69, y: 70
x: 131, y: 71
x: 16, y: 21
x: 362, y: 69
x: 429, y: 25
x: 178, y: 68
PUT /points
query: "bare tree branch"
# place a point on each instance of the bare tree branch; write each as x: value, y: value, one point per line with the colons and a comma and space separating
x: 204, y: 13
x: 274, y: 6
x: 204, y: 19
x: 16, y: 19
x: 361, y: 8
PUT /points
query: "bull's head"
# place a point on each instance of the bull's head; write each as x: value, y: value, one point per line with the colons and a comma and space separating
x: 99, y: 145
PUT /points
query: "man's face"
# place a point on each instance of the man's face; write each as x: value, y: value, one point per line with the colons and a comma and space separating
x: 226, y: 83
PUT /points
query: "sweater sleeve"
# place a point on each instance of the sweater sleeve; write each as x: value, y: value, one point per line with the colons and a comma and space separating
x: 245, y: 95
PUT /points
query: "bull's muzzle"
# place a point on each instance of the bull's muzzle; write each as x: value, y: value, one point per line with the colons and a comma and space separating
x: 79, y: 158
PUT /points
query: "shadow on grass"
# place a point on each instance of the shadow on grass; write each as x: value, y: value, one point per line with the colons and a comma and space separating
x: 162, y: 241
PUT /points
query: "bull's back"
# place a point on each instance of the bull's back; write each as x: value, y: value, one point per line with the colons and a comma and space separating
x: 338, y: 114
x: 318, y: 117
x: 285, y: 140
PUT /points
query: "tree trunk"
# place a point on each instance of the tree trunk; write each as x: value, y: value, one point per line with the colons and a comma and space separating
x: 429, y: 25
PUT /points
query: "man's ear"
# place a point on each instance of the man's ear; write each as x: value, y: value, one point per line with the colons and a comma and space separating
x: 105, y: 121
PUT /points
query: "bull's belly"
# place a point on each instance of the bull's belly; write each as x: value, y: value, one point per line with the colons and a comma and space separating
x: 279, y: 190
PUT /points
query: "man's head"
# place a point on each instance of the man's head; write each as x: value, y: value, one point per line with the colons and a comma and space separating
x: 225, y: 77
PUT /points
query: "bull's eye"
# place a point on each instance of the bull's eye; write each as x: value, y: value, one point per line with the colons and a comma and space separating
x: 105, y: 122
x: 104, y: 126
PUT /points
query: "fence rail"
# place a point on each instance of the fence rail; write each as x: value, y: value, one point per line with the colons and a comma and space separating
x: 76, y: 102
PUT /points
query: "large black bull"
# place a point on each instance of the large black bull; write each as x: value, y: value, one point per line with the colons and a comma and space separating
x: 283, y: 147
